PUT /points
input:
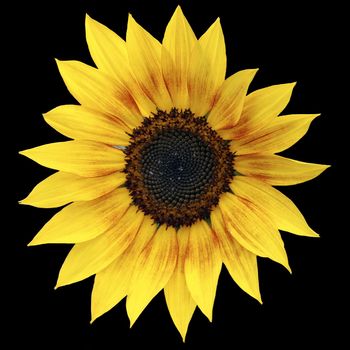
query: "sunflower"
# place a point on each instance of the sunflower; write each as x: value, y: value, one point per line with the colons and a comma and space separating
x: 169, y: 172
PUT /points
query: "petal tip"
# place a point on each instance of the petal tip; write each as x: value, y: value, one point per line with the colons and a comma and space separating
x: 292, y: 85
x: 59, y: 64
x: 323, y: 167
x: 36, y: 241
x: 130, y: 18
x: 26, y: 201
x: 131, y: 25
x: 26, y: 153
x: 252, y: 72
x: 32, y: 243
x: 178, y: 14
x: 183, y: 333
x: 289, y: 86
x: 131, y: 322
x: 89, y: 21
x: 60, y: 280
x: 88, y: 18
x: 207, y: 313
x: 217, y: 26
x: 178, y: 10
x: 62, y: 64
x: 311, y: 233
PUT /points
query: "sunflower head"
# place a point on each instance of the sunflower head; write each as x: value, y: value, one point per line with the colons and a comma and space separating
x: 177, y: 167
x: 170, y: 171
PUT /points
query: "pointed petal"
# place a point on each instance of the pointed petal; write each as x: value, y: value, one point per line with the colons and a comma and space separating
x: 144, y: 53
x: 112, y: 284
x: 109, y: 52
x: 178, y: 298
x: 87, y: 258
x: 280, y: 208
x: 95, y: 90
x: 228, y: 107
x: 62, y: 188
x: 260, y: 108
x: 81, y: 123
x: 202, y: 266
x: 240, y: 262
x: 213, y: 44
x: 83, y: 158
x: 276, y: 170
x: 207, y: 70
x: 282, y: 133
x: 252, y: 228
x: 107, y: 49
x: 202, y: 82
x: 152, y: 271
x: 82, y: 221
x: 178, y: 42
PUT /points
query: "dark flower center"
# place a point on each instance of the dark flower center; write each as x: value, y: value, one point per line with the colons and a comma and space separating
x: 177, y: 166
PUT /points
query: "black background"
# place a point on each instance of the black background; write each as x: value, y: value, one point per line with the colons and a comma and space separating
x: 288, y: 42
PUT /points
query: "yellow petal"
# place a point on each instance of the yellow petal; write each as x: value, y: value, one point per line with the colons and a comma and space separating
x: 280, y: 208
x: 62, y: 188
x: 88, y: 258
x: 144, y: 53
x: 107, y: 49
x: 83, y: 158
x: 252, y: 228
x: 112, y: 283
x: 230, y: 99
x: 282, y: 133
x: 212, y: 43
x: 260, y: 108
x: 178, y: 42
x: 81, y: 123
x: 202, y: 266
x: 178, y: 298
x: 201, y: 84
x: 240, y: 262
x: 207, y: 69
x: 109, y: 52
x: 277, y: 170
x: 82, y: 221
x: 95, y: 90
x: 152, y: 271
